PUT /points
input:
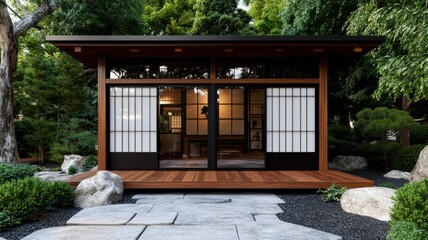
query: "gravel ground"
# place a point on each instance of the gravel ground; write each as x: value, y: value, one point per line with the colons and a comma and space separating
x: 302, y: 207
x: 308, y: 209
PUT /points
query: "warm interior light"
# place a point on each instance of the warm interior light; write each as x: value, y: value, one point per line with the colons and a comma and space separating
x: 134, y: 50
x: 279, y: 50
x: 178, y: 50
x: 318, y: 49
x: 77, y: 49
x: 228, y: 50
x: 358, y: 49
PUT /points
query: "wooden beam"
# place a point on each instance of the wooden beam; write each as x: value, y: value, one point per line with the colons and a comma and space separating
x: 102, y: 114
x: 323, y: 115
x: 212, y: 80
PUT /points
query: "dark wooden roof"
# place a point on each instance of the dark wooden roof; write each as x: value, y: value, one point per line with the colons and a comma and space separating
x: 87, y: 48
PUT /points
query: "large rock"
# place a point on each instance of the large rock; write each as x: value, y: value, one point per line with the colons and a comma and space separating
x: 375, y: 202
x: 102, y: 189
x: 420, y: 171
x: 395, y: 174
x: 348, y: 163
x: 73, y: 160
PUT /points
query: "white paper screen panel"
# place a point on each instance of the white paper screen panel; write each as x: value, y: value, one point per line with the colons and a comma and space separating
x: 290, y: 117
x: 133, y: 119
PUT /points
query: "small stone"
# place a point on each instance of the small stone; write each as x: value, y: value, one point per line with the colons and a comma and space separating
x: 420, y: 171
x: 102, y: 189
x: 348, y: 163
x: 375, y: 202
x: 73, y: 160
x: 395, y: 174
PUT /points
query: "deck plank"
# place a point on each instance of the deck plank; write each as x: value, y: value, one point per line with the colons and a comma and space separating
x: 233, y: 179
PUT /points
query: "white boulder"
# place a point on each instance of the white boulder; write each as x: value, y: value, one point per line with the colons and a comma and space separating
x: 102, y: 189
x: 73, y: 160
x: 395, y: 174
x: 53, y: 176
x: 348, y: 163
x: 420, y: 171
x: 375, y: 202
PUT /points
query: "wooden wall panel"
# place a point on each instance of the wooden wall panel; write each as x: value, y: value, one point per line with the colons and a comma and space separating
x: 102, y: 114
x: 323, y: 115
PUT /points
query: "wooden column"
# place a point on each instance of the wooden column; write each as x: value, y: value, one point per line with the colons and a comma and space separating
x: 323, y: 115
x: 102, y: 114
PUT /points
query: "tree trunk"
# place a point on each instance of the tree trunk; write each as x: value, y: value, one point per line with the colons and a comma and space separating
x: 9, y: 52
x: 405, y: 132
x: 9, y: 34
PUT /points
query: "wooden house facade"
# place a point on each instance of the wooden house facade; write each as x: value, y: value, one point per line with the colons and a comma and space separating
x: 212, y: 104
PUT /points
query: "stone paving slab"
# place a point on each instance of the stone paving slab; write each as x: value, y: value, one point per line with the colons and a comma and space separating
x: 154, y: 218
x: 87, y: 233
x: 242, y: 198
x: 157, y: 197
x: 117, y: 214
x: 176, y: 232
x: 282, y: 231
x: 203, y: 199
x: 218, y: 208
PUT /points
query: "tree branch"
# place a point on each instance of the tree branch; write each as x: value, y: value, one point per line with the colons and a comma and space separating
x: 32, y: 19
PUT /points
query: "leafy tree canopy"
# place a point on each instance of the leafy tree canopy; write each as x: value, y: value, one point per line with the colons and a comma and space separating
x: 169, y: 17
x: 98, y: 17
x: 220, y: 17
x: 402, y: 61
x: 316, y: 17
x: 266, y: 15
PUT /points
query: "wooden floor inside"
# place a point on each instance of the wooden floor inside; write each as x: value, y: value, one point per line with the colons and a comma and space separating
x: 233, y: 179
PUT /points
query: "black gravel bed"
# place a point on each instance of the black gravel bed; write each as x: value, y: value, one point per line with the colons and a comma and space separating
x: 306, y: 208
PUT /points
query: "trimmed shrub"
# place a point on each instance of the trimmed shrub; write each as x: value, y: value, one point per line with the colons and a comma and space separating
x: 90, y: 162
x: 7, y: 221
x: 22, y: 200
x: 405, y: 231
x: 10, y: 172
x: 405, y: 159
x: 72, y: 170
x: 62, y: 194
x: 378, y: 155
x: 333, y: 193
x: 419, y: 134
x: 341, y: 132
x: 411, y: 204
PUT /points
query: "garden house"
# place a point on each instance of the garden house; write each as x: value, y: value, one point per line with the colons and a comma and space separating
x: 215, y: 108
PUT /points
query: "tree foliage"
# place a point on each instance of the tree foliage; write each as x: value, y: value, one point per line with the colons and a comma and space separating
x: 220, y: 17
x: 266, y: 16
x: 402, y: 61
x: 381, y: 121
x: 169, y: 17
x: 98, y: 17
x: 316, y: 17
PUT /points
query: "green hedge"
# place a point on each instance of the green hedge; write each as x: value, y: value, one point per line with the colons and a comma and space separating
x: 91, y: 162
x: 419, y: 134
x: 26, y: 199
x: 411, y: 204
x: 405, y: 231
x: 405, y: 159
x: 10, y: 172
x: 375, y: 154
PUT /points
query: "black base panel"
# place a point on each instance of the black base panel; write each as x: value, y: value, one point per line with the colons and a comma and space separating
x: 292, y: 161
x: 132, y: 161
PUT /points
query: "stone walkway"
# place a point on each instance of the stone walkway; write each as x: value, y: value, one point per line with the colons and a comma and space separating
x: 189, y: 216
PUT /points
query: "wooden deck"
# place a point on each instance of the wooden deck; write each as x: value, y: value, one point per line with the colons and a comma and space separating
x: 233, y: 179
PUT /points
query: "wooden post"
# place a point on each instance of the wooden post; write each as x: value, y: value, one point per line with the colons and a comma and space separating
x: 102, y: 117
x: 323, y: 115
